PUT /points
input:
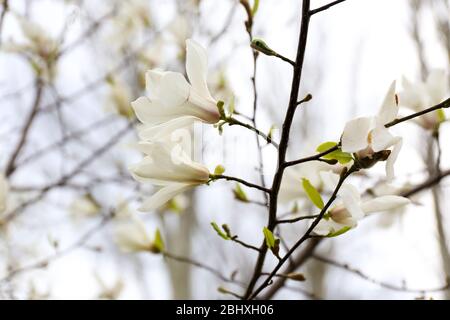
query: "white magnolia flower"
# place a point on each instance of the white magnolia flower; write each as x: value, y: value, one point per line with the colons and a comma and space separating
x: 368, y: 135
x: 350, y: 208
x: 4, y: 188
x: 422, y: 95
x: 132, y: 236
x: 169, y: 167
x: 172, y: 97
x: 291, y: 185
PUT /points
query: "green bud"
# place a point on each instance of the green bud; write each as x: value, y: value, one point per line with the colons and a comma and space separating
x: 261, y: 46
x: 219, y: 170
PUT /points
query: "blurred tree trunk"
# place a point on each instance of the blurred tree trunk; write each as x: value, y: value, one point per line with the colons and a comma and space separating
x: 179, y: 234
x: 433, y: 169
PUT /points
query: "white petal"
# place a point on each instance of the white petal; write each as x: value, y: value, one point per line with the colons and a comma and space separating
x: 351, y: 199
x: 163, y: 195
x: 392, y: 158
x: 325, y: 227
x: 165, y: 130
x: 355, y: 134
x: 197, y: 68
x: 384, y: 203
x: 152, y: 82
x: 389, y: 108
x: 329, y: 179
x: 173, y: 89
x: 381, y: 139
x: 150, y: 112
x: 291, y: 183
x: 168, y: 164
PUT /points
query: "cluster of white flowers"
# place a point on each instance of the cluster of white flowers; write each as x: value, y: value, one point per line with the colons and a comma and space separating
x: 172, y: 106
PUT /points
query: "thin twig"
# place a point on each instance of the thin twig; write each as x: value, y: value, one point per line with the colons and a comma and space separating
x: 244, y: 182
x: 297, y: 219
x: 389, y: 286
x: 325, y: 7
x: 232, y: 121
x: 444, y: 104
x: 11, y: 164
x: 198, y: 265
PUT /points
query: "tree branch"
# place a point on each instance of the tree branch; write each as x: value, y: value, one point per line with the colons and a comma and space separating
x: 325, y: 7
x: 276, y: 184
x: 244, y: 182
x: 11, y: 164
x: 444, y: 104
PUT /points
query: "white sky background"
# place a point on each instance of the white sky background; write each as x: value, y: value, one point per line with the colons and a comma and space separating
x: 355, y: 50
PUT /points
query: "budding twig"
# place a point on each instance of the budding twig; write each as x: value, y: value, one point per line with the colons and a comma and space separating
x: 443, y: 105
x: 325, y: 7
x: 244, y: 182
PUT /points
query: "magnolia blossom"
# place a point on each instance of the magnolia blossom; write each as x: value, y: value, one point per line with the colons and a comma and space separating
x: 3, y: 193
x: 171, y: 168
x: 418, y: 96
x: 132, y: 236
x: 172, y: 97
x: 350, y: 208
x: 291, y: 185
x: 368, y: 135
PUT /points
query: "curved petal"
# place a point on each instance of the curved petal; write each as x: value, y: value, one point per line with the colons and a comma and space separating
x: 329, y: 179
x: 152, y: 81
x: 163, y: 195
x: 173, y: 89
x: 384, y: 203
x: 351, y: 199
x: 197, y: 68
x: 169, y: 164
x: 381, y: 139
x: 325, y: 227
x: 290, y: 188
x: 150, y: 112
x: 165, y: 130
x: 355, y: 134
x: 392, y: 158
x: 389, y: 108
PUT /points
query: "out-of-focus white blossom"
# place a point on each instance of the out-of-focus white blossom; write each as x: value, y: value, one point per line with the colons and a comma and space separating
x: 39, y: 48
x: 368, y: 135
x: 350, y: 208
x: 132, y: 236
x: 120, y: 97
x: 84, y: 206
x: 133, y: 17
x: 421, y: 95
x: 172, y: 97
